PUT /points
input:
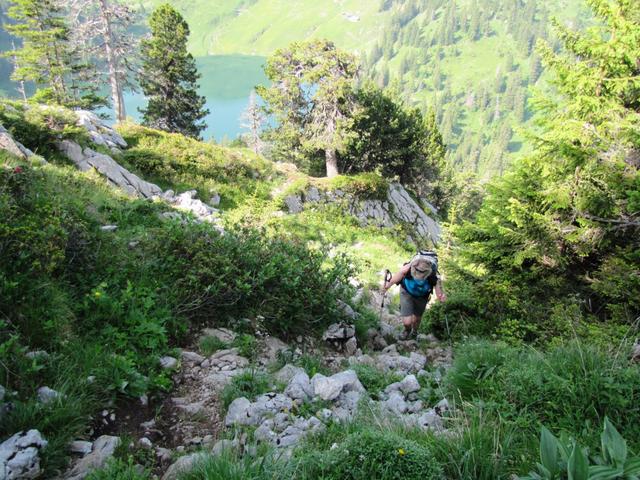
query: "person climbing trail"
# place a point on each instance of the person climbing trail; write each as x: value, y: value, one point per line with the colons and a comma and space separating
x: 417, y: 279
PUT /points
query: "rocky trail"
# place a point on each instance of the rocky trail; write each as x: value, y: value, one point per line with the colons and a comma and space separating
x: 171, y: 432
x: 178, y: 428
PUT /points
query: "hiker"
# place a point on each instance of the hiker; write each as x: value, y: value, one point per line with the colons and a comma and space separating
x: 417, y: 279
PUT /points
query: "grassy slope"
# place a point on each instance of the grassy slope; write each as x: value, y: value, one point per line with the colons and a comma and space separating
x: 179, y: 163
x: 260, y: 27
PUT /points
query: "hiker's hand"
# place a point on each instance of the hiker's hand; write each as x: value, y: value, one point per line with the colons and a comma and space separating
x: 442, y: 297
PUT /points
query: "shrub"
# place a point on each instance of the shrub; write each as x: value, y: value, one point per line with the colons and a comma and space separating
x: 233, y: 466
x: 247, y: 345
x: 372, y: 454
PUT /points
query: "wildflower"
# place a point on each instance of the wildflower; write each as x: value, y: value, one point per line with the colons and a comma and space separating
x: 401, y: 451
x: 18, y: 169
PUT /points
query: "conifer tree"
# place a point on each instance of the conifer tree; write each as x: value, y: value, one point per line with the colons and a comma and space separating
x: 169, y: 76
x: 47, y: 57
x: 310, y: 96
x: 564, y: 224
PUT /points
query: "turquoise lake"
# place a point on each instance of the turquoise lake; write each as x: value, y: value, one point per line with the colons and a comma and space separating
x: 227, y: 82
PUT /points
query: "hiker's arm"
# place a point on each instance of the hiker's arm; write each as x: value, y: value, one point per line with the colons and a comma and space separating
x: 442, y: 297
x: 397, y: 277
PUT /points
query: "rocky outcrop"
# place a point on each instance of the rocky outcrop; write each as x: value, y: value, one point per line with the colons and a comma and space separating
x: 9, y: 144
x: 86, y: 159
x: 99, y: 132
x: 102, y: 450
x: 19, y: 455
x: 398, y: 208
x: 342, y: 337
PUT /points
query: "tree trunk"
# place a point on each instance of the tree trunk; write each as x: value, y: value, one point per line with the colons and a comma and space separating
x: 332, y: 162
x: 116, y: 88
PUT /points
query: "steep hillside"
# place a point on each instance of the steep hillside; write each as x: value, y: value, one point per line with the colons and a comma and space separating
x: 474, y: 62
x: 258, y: 27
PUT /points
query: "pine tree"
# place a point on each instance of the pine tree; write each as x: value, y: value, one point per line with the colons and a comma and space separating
x: 564, y: 223
x: 311, y: 97
x: 169, y: 76
x: 47, y: 57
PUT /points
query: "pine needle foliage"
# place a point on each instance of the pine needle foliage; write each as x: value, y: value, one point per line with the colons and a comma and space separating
x: 169, y: 76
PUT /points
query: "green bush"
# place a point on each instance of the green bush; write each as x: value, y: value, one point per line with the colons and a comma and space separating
x: 292, y: 287
x: 39, y: 127
x: 182, y: 163
x: 372, y: 454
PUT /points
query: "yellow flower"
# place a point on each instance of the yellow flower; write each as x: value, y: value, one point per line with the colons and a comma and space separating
x: 401, y: 451
x: 97, y: 294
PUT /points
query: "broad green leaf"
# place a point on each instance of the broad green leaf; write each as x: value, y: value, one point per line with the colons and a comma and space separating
x: 578, y: 467
x: 614, y: 447
x: 549, y: 451
x: 604, y: 472
x: 632, y: 466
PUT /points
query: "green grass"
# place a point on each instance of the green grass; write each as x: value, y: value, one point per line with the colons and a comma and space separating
x: 248, y: 384
x: 210, y: 344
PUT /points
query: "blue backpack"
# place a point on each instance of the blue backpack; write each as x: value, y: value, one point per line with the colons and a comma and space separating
x: 422, y: 288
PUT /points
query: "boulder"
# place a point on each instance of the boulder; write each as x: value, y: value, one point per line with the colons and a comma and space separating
x: 19, y: 455
x: 47, y: 395
x: 409, y: 384
x: 347, y: 310
x: 271, y: 347
x: 396, y: 403
x: 80, y: 446
x: 327, y: 388
x: 8, y: 144
x: 430, y: 420
x: 244, y: 412
x: 286, y: 373
x: 273, y: 403
x: 168, y: 363
x: 223, y: 334
x: 339, y: 332
x: 192, y: 357
x: 103, y: 449
x: 299, y: 387
x: 293, y: 203
x: 182, y: 465
x: 351, y: 347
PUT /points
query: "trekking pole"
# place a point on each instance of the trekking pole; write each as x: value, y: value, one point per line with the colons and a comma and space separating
x: 387, y: 278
